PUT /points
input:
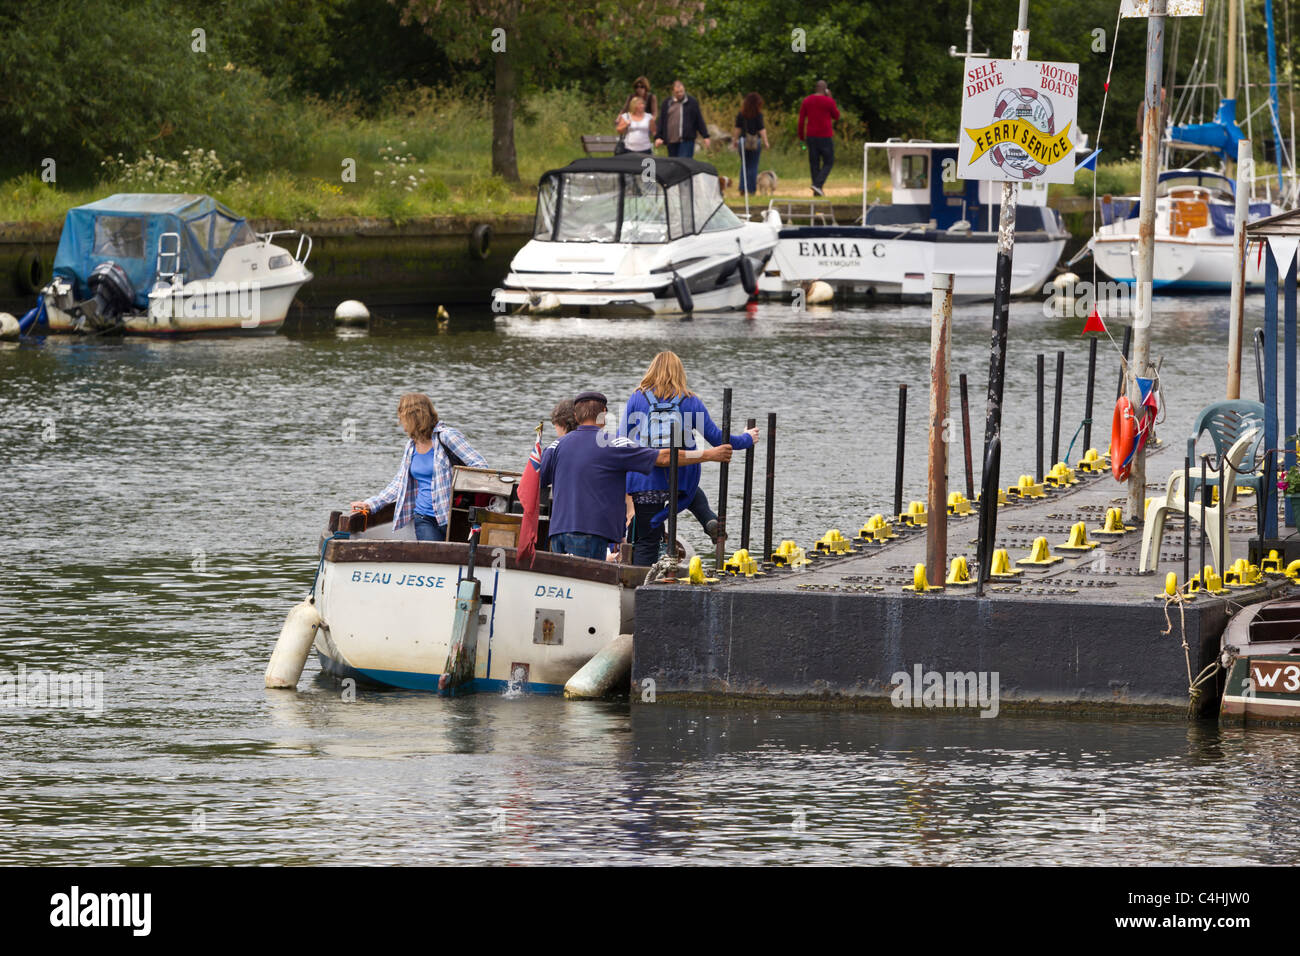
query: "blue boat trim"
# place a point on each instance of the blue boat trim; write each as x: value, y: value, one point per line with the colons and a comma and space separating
x: 411, y: 680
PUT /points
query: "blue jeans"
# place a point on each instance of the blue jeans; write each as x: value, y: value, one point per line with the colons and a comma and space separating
x: 428, y: 529
x: 685, y: 149
x: 749, y: 169
x: 821, y: 157
x: 580, y: 545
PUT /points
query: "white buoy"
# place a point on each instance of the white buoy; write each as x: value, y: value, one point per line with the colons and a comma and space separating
x: 8, y: 326
x: 1065, y: 282
x: 607, y: 671
x: 293, y: 646
x: 818, y: 292
x: 546, y: 302
x: 351, y: 312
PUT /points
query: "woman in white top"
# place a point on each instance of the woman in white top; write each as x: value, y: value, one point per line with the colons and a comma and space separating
x: 634, y: 126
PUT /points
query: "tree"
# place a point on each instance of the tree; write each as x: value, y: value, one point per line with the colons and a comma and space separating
x: 524, y: 39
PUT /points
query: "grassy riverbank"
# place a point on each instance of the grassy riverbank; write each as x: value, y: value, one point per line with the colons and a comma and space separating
x: 427, y: 154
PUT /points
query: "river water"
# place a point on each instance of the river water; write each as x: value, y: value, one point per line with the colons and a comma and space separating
x: 163, y: 504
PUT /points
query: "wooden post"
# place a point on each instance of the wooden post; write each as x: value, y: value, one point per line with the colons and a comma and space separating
x: 936, y: 522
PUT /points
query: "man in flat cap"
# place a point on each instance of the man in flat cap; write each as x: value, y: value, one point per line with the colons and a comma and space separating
x: 588, y: 472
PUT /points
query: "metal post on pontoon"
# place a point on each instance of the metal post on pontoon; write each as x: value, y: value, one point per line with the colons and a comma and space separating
x: 1237, y: 303
x: 1002, y: 302
x: 1146, y: 242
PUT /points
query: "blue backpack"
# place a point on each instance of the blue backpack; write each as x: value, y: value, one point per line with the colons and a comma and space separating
x: 663, y: 413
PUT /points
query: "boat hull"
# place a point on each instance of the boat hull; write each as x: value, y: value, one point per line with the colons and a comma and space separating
x: 1181, y: 265
x: 388, y: 608
x: 198, y: 310
x: 1263, y: 688
x: 875, y: 262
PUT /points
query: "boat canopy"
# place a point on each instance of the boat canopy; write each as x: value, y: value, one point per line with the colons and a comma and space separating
x: 1172, y: 178
x: 630, y: 198
x: 127, y: 228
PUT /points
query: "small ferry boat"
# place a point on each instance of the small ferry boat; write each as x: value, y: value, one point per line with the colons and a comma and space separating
x: 932, y: 221
x: 388, y: 603
x: 168, y: 264
x: 1195, y: 209
x: 635, y: 234
x: 1261, y: 657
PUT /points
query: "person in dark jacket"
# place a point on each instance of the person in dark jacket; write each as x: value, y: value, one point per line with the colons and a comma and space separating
x: 750, y: 135
x: 680, y: 122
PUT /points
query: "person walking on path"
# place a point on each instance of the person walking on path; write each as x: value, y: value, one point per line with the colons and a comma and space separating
x: 634, y: 127
x: 750, y: 136
x: 641, y: 88
x: 660, y: 401
x: 680, y: 122
x: 817, y: 115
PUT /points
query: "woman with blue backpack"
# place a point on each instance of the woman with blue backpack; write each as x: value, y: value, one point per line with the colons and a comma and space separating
x: 660, y: 401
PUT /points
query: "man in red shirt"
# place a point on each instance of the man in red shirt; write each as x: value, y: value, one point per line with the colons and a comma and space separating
x: 817, y: 113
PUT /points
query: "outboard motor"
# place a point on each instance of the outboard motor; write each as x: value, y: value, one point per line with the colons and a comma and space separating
x: 111, y: 295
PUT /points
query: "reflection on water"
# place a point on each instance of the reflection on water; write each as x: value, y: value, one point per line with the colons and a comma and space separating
x: 163, y: 505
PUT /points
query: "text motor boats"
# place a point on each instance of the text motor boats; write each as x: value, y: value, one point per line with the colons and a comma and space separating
x: 931, y: 224
x: 635, y: 234
x: 162, y: 264
x: 390, y: 611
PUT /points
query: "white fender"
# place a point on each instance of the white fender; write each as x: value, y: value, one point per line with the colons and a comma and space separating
x: 351, y: 312
x: 819, y: 291
x: 607, y: 671
x: 8, y: 326
x: 293, y: 646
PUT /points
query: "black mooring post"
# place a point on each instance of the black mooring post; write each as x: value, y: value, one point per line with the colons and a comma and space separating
x: 769, y: 510
x: 720, y: 548
x: 1038, y: 453
x: 747, y: 493
x: 898, y: 459
x: 1087, y: 412
x: 1187, y: 520
x: 965, y: 436
x: 988, y: 513
x: 1128, y: 340
x: 1200, y: 568
x: 672, y: 499
x: 1056, y: 409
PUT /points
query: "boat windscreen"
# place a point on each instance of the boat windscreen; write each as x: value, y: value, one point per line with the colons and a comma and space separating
x: 645, y: 215
x: 547, y: 196
x: 589, y: 208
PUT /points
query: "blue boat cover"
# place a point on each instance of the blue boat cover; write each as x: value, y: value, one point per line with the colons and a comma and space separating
x: 125, y: 228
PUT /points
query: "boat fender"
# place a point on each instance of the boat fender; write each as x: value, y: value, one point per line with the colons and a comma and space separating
x: 480, y: 241
x: 293, y: 646
x: 607, y: 672
x: 819, y: 292
x: 29, y: 272
x: 748, y: 280
x: 683, y: 293
x: 9, y: 328
x: 351, y: 312
x: 1123, y: 438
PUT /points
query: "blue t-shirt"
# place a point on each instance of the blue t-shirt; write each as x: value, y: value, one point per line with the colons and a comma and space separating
x: 588, y: 472
x: 422, y: 471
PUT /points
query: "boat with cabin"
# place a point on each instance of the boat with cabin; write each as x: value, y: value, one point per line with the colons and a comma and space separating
x: 167, y: 264
x: 933, y: 221
x: 635, y: 235
x: 1261, y: 660
x: 394, y: 611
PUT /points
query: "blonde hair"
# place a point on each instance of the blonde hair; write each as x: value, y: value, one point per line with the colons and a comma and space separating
x: 666, y: 377
x: 418, y: 417
x: 634, y: 102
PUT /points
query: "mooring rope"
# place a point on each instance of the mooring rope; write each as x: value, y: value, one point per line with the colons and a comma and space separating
x: 1194, y: 684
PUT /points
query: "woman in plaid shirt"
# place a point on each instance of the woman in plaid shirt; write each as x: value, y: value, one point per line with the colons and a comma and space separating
x: 421, y: 489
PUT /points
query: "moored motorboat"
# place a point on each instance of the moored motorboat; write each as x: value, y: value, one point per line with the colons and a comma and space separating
x: 635, y: 234
x: 168, y: 264
x: 932, y: 222
x: 388, y: 603
x: 1261, y: 658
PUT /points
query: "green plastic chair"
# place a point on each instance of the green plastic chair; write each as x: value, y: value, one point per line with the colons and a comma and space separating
x: 1227, y: 421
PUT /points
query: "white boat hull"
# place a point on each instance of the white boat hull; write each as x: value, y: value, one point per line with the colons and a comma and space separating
x: 862, y: 262
x: 1181, y: 265
x: 388, y: 606
x: 201, y: 307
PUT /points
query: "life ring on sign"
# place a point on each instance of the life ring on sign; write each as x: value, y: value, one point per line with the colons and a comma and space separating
x: 1123, y: 438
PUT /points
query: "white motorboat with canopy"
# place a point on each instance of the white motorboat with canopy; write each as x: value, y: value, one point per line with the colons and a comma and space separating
x: 163, y: 264
x: 636, y: 234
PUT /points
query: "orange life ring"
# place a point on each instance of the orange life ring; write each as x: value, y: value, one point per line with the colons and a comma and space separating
x: 1123, y: 437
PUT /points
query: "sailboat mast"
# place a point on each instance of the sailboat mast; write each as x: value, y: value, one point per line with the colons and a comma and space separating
x: 1230, y: 79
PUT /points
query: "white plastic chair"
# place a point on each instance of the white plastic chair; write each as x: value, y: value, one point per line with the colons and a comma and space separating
x: 1208, y: 518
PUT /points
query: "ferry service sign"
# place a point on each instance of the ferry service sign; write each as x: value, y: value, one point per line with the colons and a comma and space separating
x: 1017, y: 120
